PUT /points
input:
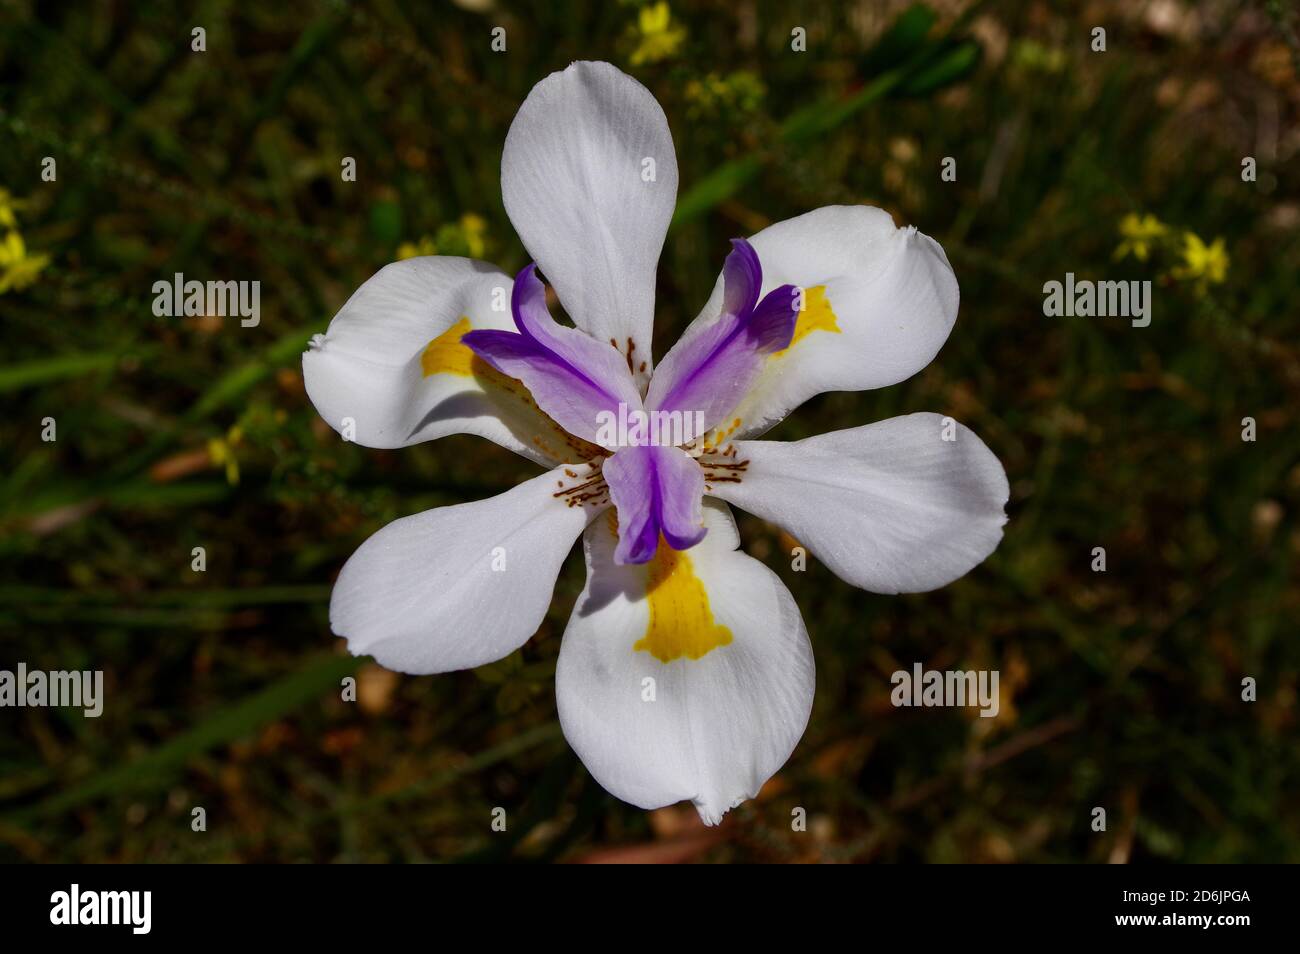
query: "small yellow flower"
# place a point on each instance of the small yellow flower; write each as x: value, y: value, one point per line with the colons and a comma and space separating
x: 1139, y: 233
x: 17, y: 268
x: 467, y: 236
x: 1205, y: 264
x: 713, y: 94
x: 221, y: 451
x: 8, y: 206
x: 658, y: 37
x: 474, y: 229
x: 424, y: 246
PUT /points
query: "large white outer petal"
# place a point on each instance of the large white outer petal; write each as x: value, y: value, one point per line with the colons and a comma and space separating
x: 893, y: 293
x: 891, y: 507
x: 427, y: 593
x: 367, y: 366
x: 721, y: 725
x: 572, y: 180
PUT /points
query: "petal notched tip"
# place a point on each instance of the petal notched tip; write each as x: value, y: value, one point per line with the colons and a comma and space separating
x: 495, y: 346
x: 742, y: 278
x: 684, y: 542
x: 712, y: 812
x: 771, y: 326
x: 637, y: 551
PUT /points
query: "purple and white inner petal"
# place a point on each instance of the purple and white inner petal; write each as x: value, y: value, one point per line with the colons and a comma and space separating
x: 573, y: 377
x: 657, y: 491
x: 711, y: 371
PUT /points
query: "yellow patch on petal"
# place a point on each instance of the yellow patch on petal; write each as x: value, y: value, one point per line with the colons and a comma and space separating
x: 445, y: 353
x: 816, y: 316
x: 681, y: 621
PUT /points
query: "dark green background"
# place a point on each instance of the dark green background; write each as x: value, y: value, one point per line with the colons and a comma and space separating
x: 1123, y: 687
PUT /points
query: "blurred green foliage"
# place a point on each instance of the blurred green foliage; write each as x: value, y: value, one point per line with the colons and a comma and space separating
x: 1121, y: 689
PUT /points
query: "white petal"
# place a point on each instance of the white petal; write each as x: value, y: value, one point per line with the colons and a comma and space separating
x: 459, y: 586
x: 375, y: 370
x: 574, y: 179
x: 719, y: 725
x: 879, y: 304
x: 891, y: 507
